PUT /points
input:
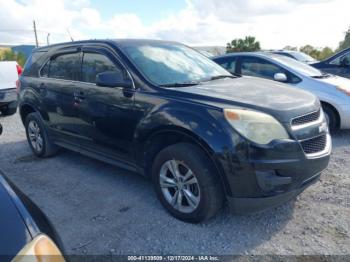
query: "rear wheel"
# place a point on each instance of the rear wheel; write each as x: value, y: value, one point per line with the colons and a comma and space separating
x: 37, y: 136
x: 187, y: 183
x: 331, y: 117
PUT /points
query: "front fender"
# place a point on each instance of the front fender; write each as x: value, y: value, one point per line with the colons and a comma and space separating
x: 206, y: 124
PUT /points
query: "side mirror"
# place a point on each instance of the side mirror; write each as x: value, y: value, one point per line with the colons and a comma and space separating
x: 280, y: 77
x: 112, y: 79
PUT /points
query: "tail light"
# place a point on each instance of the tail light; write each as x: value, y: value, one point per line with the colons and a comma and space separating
x: 19, y: 69
x: 18, y: 86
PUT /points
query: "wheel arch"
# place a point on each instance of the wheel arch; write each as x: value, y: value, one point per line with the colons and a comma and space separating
x: 170, y: 135
x: 26, y: 109
x: 335, y: 110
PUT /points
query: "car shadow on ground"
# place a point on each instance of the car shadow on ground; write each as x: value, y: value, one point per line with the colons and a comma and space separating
x: 341, y: 138
x: 98, y: 208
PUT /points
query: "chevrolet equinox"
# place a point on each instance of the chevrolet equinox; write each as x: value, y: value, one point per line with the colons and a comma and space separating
x: 161, y: 109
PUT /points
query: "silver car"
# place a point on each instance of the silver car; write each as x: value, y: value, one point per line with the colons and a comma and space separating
x: 333, y: 91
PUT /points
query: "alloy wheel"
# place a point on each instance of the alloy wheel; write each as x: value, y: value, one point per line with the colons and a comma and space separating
x: 179, y: 186
x: 35, y: 136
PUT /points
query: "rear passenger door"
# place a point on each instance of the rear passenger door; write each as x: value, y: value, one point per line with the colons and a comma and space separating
x: 58, y: 80
x: 107, y: 112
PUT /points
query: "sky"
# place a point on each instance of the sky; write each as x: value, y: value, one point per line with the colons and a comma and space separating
x: 275, y: 23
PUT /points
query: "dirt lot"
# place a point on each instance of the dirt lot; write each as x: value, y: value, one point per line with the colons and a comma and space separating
x: 99, y: 209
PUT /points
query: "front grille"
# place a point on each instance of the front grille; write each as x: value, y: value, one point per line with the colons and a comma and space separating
x: 314, y: 145
x: 301, y: 120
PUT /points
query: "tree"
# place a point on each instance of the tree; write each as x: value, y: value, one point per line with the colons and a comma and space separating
x: 9, y: 55
x: 317, y: 53
x: 290, y: 48
x: 325, y: 53
x: 346, y: 42
x: 248, y: 44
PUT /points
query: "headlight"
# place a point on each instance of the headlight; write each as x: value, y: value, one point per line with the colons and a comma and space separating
x: 258, y: 127
x: 41, y: 248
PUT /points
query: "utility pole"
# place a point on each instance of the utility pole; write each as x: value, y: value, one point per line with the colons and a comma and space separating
x: 47, y: 39
x: 35, y: 34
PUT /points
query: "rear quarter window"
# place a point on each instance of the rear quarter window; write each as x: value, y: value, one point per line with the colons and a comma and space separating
x: 32, y: 63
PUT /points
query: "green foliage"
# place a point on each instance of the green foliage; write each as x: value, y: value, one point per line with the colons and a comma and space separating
x: 318, y: 54
x: 290, y: 48
x: 346, y: 42
x: 9, y: 55
x: 248, y: 44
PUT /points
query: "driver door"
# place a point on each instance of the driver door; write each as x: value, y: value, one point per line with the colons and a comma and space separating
x: 107, y: 112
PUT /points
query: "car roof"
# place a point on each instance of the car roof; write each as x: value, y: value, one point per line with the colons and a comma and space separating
x: 105, y: 41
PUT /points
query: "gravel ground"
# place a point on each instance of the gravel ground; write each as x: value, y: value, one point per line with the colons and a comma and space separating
x: 100, y: 209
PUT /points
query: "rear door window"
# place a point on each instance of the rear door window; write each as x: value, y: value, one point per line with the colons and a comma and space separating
x: 93, y: 64
x: 64, y: 66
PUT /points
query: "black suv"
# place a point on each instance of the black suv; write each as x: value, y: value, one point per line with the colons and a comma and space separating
x: 164, y: 110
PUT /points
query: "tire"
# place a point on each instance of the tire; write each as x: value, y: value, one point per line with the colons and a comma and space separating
x: 35, y: 130
x: 201, y: 193
x: 331, y: 117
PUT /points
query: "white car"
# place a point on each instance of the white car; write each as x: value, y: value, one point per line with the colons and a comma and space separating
x: 9, y: 72
x: 333, y: 91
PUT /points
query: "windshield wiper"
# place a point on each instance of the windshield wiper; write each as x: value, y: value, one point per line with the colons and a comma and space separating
x: 184, y: 84
x: 324, y: 75
x: 222, y: 76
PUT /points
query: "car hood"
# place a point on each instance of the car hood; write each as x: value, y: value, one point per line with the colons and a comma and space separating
x: 277, y: 99
x: 337, y: 81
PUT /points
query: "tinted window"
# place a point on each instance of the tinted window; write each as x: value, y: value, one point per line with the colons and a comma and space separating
x: 229, y: 63
x: 338, y: 60
x: 94, y: 64
x: 45, y: 70
x: 29, y: 69
x: 64, y: 67
x: 252, y: 66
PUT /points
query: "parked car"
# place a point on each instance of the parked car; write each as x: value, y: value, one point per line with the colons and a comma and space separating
x: 338, y: 64
x: 26, y: 233
x: 9, y: 72
x: 164, y: 110
x: 297, y: 55
x: 333, y: 91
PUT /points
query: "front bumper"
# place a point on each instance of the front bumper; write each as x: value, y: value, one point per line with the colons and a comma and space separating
x: 251, y: 205
x: 273, y: 174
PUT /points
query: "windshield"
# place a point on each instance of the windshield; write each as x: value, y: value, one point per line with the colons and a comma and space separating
x: 297, y: 66
x: 303, y: 57
x: 168, y: 64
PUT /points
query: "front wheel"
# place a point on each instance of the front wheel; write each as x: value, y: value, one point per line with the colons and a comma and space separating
x: 187, y: 183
